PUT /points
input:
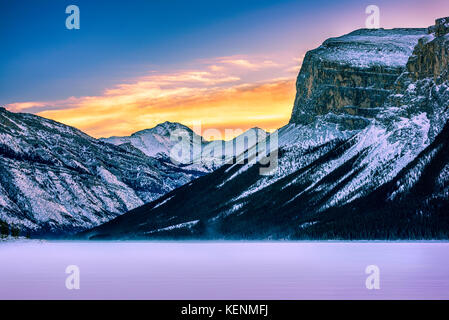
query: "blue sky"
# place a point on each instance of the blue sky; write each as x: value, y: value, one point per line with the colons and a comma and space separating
x: 252, y: 42
x: 117, y: 39
x: 120, y: 39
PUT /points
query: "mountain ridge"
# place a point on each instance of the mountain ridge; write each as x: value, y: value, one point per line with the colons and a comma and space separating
x: 56, y: 179
x: 166, y: 139
x: 337, y: 177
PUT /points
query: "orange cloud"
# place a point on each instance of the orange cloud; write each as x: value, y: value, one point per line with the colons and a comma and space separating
x: 266, y: 105
x: 242, y: 61
x: 213, y: 94
x: 20, y: 106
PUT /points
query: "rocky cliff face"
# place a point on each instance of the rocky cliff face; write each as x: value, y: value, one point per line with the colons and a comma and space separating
x: 351, y: 76
x: 385, y: 178
x: 430, y: 56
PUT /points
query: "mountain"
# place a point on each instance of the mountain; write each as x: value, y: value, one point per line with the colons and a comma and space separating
x: 173, y: 141
x: 364, y: 156
x: 56, y: 179
x: 156, y: 141
x: 350, y: 76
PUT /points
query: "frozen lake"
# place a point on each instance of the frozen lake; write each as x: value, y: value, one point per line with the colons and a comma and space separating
x: 224, y: 270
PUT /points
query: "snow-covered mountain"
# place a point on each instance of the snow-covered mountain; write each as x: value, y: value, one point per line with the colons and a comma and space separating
x: 365, y: 154
x: 156, y: 141
x: 178, y: 143
x: 54, y: 178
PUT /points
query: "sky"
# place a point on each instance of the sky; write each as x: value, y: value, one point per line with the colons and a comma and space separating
x: 134, y: 64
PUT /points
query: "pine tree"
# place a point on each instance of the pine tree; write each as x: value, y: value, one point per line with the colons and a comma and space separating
x: 15, y: 232
x: 4, y: 229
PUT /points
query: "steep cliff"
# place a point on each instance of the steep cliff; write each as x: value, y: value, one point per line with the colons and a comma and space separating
x: 352, y: 75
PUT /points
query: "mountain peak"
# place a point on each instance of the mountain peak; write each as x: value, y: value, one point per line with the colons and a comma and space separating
x: 257, y: 129
x: 261, y: 133
x: 440, y: 28
x: 163, y: 129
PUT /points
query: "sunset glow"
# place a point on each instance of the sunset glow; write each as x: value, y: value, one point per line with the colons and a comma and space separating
x: 218, y: 96
x: 222, y: 64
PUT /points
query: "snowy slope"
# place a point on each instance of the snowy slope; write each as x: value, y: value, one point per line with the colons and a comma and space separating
x: 334, y: 179
x: 156, y: 141
x: 174, y: 141
x: 54, y: 178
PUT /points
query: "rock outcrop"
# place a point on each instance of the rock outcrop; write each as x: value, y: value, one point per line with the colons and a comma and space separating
x: 350, y: 76
x: 430, y: 57
x: 440, y: 28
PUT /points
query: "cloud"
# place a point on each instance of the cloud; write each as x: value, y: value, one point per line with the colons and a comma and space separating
x: 222, y: 93
x: 241, y: 61
x: 20, y: 106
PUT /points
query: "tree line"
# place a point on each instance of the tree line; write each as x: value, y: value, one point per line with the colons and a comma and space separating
x: 6, y: 230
